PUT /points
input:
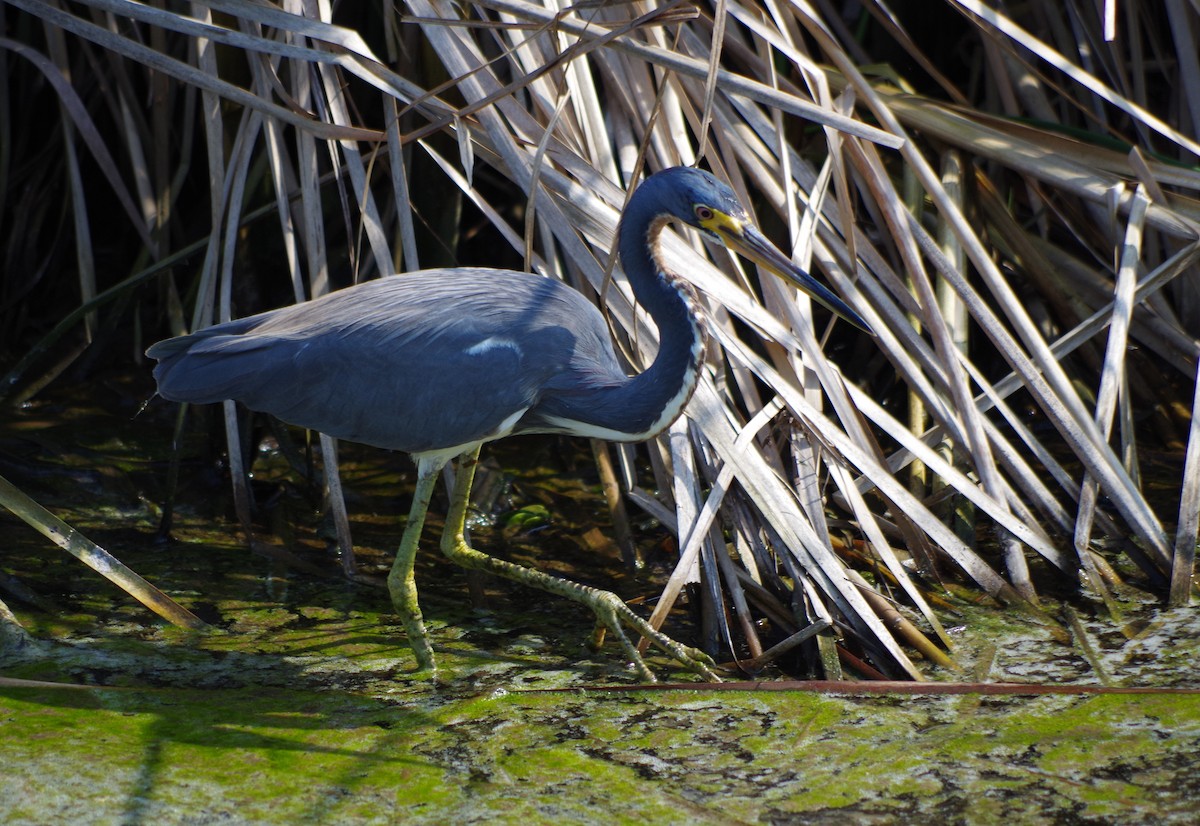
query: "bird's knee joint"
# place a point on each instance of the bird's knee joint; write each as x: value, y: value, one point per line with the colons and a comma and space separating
x: 610, y: 601
x: 454, y: 547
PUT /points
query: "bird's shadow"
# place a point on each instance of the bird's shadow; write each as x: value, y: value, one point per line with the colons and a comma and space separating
x: 226, y: 702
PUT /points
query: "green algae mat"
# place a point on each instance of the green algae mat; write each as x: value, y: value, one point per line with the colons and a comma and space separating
x: 302, y: 705
x: 315, y: 716
x: 289, y: 754
x: 326, y: 737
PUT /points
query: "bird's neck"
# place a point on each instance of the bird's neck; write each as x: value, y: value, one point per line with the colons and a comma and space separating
x: 639, y: 407
x: 660, y: 392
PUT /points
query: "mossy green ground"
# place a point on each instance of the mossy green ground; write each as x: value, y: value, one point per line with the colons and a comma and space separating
x: 304, y: 707
x: 339, y: 730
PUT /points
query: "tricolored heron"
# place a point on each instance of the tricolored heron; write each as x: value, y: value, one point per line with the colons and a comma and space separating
x: 435, y: 363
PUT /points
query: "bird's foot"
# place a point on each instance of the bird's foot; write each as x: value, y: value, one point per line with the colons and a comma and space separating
x: 422, y: 650
x: 613, y: 614
x: 418, y: 641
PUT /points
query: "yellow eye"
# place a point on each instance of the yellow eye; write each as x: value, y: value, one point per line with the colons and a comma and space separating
x: 702, y: 212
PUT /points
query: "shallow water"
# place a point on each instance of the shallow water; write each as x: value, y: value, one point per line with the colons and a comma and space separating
x: 302, y: 705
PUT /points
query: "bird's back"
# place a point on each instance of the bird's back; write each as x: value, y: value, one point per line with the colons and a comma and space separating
x: 425, y: 361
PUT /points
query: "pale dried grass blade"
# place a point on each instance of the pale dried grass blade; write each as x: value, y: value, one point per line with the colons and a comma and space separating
x: 75, y: 107
x: 95, y: 557
x: 730, y: 83
x: 1026, y: 39
x: 1114, y: 368
x: 186, y: 73
x: 783, y: 513
x: 1183, y: 561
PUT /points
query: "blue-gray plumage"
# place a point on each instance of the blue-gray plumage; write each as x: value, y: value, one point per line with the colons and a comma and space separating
x: 435, y: 363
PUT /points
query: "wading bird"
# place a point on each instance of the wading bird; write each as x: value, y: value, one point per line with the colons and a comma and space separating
x: 435, y: 363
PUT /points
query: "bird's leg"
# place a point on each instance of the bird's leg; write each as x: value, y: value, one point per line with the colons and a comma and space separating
x: 402, y: 584
x: 610, y: 610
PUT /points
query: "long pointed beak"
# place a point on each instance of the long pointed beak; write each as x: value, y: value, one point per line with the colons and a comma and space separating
x: 748, y: 241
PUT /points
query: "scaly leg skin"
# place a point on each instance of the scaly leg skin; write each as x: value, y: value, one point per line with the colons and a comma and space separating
x: 402, y: 584
x: 609, y: 609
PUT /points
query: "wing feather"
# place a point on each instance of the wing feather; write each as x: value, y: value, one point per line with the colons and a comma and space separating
x: 418, y: 362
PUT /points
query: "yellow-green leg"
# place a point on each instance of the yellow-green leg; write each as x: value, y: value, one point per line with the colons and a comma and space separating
x: 609, y: 609
x: 402, y: 584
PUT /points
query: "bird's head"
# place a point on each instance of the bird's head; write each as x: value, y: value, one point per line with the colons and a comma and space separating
x: 701, y: 201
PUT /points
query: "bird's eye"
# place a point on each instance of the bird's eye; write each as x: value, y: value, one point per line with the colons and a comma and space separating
x: 702, y: 212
